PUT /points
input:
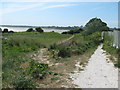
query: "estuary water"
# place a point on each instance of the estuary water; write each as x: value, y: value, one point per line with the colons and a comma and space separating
x: 22, y: 29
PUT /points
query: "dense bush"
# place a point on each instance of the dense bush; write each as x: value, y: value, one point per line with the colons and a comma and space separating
x: 94, y: 38
x: 78, y: 30
x: 64, y: 52
x: 38, y: 70
x: 30, y: 30
x: 53, y: 46
x: 39, y: 29
x: 5, y: 30
x: 60, y: 51
x: 11, y: 32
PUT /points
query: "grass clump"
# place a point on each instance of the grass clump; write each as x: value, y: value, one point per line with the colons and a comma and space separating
x: 55, y: 78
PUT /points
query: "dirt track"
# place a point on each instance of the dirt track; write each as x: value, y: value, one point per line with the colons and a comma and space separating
x: 64, y: 41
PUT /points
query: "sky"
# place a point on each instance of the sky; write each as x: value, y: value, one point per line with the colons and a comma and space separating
x: 53, y: 13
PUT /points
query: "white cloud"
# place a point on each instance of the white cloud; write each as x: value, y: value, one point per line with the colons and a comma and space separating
x: 59, y: 0
x: 10, y: 8
x: 60, y: 5
x: 15, y: 7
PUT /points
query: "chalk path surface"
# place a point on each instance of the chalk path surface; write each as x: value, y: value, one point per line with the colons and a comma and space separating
x: 98, y: 73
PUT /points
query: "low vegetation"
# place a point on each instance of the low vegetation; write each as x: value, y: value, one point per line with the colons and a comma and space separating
x: 15, y: 46
x: 108, y: 46
x: 76, y: 46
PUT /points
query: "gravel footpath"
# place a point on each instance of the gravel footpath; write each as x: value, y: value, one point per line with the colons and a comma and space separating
x: 98, y: 73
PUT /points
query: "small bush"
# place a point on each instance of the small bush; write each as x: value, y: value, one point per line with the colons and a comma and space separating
x: 5, y: 30
x: 30, y: 30
x: 53, y: 46
x: 38, y: 70
x: 23, y: 82
x: 39, y: 29
x: 11, y: 32
x: 64, y: 52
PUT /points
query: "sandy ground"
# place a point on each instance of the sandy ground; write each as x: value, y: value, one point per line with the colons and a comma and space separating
x: 98, y: 73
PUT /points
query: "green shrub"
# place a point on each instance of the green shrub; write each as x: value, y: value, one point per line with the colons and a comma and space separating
x: 55, y: 78
x: 64, y: 52
x: 38, y: 70
x: 53, y: 46
x: 39, y: 29
x: 23, y: 82
x: 74, y: 31
x: 78, y: 45
x: 30, y: 30
x: 5, y: 30
x: 107, y: 45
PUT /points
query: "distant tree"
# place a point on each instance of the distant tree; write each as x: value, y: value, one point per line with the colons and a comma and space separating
x: 5, y: 30
x: 95, y: 24
x: 30, y: 30
x: 11, y: 31
x: 39, y: 29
